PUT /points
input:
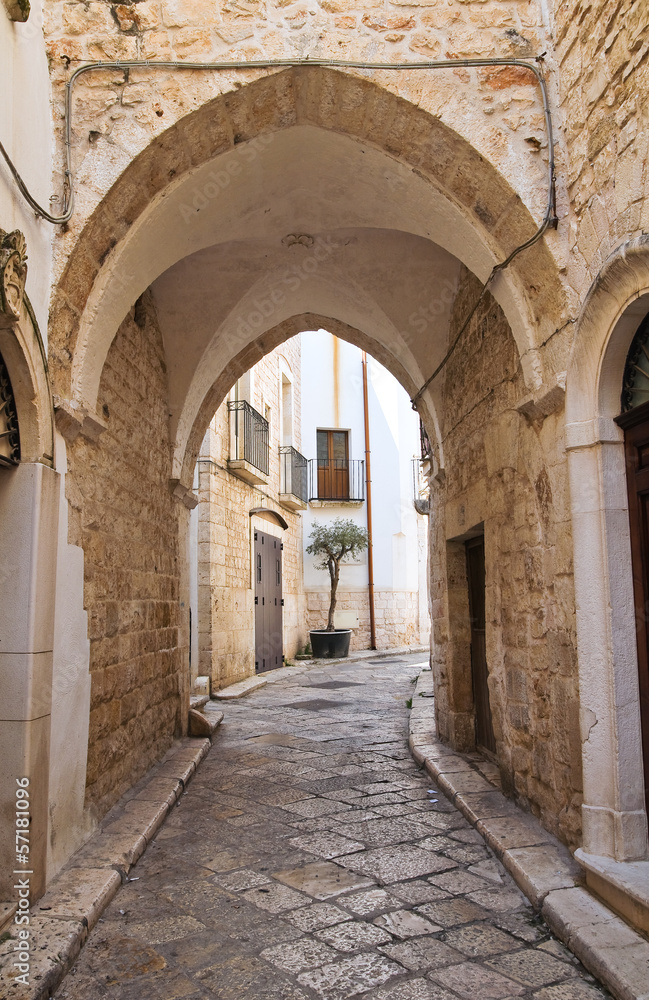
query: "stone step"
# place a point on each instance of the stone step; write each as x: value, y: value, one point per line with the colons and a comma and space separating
x: 240, y: 689
x: 203, y: 724
x: 623, y: 885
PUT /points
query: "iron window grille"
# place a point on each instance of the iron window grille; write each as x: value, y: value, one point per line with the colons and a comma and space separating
x: 9, y: 434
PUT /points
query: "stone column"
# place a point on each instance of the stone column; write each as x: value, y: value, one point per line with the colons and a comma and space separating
x: 614, y: 821
x: 28, y: 542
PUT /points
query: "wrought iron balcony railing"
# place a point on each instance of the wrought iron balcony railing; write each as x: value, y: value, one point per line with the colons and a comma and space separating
x: 248, y: 435
x: 421, y: 485
x: 336, y: 479
x: 294, y: 473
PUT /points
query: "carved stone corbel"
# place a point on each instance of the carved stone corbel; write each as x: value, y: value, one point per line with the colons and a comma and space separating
x: 545, y: 400
x: 13, y: 274
x: 183, y: 494
x: 72, y: 420
x: 18, y: 10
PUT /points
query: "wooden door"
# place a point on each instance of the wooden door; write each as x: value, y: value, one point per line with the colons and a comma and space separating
x: 269, y: 648
x: 333, y: 465
x: 636, y: 442
x: 484, y: 734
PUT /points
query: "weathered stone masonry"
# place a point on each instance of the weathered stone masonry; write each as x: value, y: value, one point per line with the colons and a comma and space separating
x: 510, y: 475
x: 126, y: 520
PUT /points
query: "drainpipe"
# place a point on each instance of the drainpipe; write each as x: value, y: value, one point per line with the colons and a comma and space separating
x: 368, y: 494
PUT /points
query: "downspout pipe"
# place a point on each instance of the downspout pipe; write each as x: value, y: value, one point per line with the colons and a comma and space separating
x: 368, y: 496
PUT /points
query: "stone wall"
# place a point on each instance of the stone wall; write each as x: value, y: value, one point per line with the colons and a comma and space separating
x: 396, y: 616
x: 226, y: 611
x: 123, y: 515
x: 602, y: 49
x: 508, y: 477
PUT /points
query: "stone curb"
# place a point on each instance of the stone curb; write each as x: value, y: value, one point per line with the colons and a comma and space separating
x: 62, y: 919
x: 360, y: 655
x: 542, y: 867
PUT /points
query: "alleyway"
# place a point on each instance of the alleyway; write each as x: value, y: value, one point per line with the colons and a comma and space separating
x: 310, y: 859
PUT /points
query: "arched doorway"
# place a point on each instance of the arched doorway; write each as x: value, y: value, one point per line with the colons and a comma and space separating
x: 614, y: 811
x: 634, y: 421
x: 28, y: 538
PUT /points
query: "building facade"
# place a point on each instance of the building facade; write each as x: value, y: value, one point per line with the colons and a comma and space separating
x: 338, y: 441
x: 251, y: 487
x: 479, y: 228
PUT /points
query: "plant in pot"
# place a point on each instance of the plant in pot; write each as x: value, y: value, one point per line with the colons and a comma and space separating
x: 332, y: 543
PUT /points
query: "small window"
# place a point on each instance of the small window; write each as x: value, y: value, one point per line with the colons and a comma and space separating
x: 287, y: 412
x: 333, y: 465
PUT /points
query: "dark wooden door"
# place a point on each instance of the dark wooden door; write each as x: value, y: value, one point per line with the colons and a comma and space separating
x: 268, y: 602
x: 636, y: 442
x: 484, y: 734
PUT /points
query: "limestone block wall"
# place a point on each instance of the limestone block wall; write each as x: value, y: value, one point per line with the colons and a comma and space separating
x: 507, y: 477
x: 602, y: 49
x: 123, y: 516
x: 226, y: 610
x: 396, y: 616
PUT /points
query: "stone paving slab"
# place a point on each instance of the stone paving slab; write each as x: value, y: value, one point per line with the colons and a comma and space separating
x: 241, y: 896
x: 542, y: 867
x: 61, y: 920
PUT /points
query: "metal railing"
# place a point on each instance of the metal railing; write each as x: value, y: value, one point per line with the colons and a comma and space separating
x: 248, y: 435
x: 336, y: 479
x: 295, y: 473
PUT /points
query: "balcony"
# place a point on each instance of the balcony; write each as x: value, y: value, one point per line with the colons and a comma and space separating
x: 340, y: 481
x: 248, y: 443
x: 421, y: 485
x: 294, y: 479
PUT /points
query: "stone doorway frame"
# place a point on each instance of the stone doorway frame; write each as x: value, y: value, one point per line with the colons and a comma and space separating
x: 613, y: 812
x: 29, y: 503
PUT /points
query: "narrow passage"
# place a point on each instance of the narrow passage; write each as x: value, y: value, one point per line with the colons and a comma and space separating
x: 311, y: 859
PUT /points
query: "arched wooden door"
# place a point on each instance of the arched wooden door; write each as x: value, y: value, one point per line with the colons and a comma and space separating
x: 635, y: 424
x: 634, y: 421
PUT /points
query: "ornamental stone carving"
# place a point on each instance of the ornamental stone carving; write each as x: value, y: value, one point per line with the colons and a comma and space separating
x: 13, y: 274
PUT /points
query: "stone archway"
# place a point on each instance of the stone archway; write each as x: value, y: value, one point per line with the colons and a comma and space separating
x: 194, y: 266
x: 167, y: 205
x: 614, y: 818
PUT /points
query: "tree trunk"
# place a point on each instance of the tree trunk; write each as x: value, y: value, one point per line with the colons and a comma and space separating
x: 334, y: 572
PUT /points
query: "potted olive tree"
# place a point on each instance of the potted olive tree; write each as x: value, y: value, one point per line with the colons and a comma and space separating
x: 332, y: 543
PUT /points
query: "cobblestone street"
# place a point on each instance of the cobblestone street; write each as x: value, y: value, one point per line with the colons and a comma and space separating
x: 311, y: 859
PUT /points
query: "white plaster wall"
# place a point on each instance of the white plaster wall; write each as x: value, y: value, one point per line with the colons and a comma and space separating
x: 394, y: 440
x: 26, y: 134
x: 69, y: 824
